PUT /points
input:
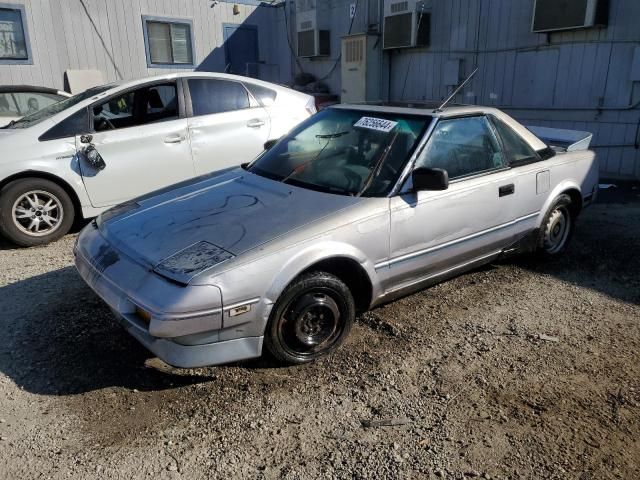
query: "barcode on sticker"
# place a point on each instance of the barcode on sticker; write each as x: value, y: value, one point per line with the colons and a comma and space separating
x: 379, y: 124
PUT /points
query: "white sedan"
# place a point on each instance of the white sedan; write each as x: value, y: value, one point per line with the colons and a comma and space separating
x: 80, y: 156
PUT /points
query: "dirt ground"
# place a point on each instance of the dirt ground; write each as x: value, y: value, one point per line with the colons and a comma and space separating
x: 524, y: 369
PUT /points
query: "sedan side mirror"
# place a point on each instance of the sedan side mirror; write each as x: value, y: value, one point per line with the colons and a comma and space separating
x: 270, y: 143
x: 430, y: 179
x: 93, y: 157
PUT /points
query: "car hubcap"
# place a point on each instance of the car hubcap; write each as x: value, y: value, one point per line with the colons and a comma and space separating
x: 311, y: 323
x: 557, y: 230
x: 37, y: 213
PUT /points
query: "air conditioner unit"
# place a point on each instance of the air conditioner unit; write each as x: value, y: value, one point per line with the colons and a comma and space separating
x: 407, y: 23
x: 554, y: 15
x: 312, y: 25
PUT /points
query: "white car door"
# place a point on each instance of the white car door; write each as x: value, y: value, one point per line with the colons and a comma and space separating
x: 227, y: 126
x: 142, y: 136
x: 434, y: 232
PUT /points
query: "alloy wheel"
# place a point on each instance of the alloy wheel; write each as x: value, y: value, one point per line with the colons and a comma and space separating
x: 37, y: 213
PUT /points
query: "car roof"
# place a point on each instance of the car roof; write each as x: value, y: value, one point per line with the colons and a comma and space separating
x: 30, y: 89
x: 431, y: 110
x: 190, y: 74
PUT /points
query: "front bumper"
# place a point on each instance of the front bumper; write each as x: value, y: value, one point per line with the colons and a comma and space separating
x: 184, y: 329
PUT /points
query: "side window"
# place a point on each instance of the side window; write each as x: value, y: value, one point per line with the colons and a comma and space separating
x: 161, y: 103
x: 217, y: 96
x: 8, y: 107
x: 516, y: 149
x: 266, y: 96
x: 71, y: 126
x: 462, y: 147
x: 30, y: 103
x: 150, y: 104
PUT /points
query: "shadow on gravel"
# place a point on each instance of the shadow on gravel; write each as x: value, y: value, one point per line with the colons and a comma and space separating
x: 59, y: 339
x: 604, y: 254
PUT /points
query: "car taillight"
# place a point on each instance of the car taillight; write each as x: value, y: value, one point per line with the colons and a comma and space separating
x: 311, y: 106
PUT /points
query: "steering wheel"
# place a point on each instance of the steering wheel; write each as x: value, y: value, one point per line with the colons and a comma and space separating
x: 107, y: 122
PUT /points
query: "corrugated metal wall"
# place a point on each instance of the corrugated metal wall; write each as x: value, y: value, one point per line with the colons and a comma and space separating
x: 107, y: 35
x: 578, y: 79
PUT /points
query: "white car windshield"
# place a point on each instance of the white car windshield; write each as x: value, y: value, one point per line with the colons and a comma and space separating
x: 55, y: 108
x: 348, y: 152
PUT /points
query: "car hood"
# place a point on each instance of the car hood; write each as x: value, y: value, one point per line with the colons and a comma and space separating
x: 6, y: 132
x: 182, y: 231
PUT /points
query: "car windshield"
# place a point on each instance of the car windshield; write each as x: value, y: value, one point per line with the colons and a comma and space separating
x: 55, y: 108
x: 347, y: 152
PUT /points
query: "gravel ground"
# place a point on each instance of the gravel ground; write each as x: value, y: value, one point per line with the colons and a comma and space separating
x: 523, y: 369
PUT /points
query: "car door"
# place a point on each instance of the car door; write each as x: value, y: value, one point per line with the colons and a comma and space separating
x: 435, y: 232
x: 142, y: 137
x: 532, y: 176
x: 227, y: 126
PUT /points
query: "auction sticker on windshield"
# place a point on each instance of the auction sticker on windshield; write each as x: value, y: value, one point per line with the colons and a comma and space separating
x: 379, y: 124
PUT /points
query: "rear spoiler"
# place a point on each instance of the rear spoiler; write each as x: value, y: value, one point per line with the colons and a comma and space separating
x: 568, y: 140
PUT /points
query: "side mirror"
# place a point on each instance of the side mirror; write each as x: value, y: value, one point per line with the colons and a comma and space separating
x: 430, y: 179
x: 270, y: 143
x: 93, y: 157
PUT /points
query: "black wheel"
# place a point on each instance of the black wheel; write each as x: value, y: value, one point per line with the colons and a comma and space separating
x: 557, y: 227
x: 311, y: 318
x: 34, y: 211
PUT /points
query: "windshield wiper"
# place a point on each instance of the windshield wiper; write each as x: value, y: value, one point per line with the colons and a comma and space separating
x: 321, y: 188
x: 376, y: 168
x: 333, y: 135
x: 303, y: 165
x: 10, y: 124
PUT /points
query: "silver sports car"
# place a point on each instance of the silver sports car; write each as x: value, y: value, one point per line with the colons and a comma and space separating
x: 356, y: 206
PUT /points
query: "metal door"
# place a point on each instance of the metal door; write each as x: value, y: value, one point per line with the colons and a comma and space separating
x: 240, y: 47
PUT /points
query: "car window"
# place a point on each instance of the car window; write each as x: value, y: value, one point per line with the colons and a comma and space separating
x: 217, y: 96
x: 55, y: 108
x: 516, y: 149
x: 265, y: 95
x: 30, y: 102
x: 75, y: 124
x: 8, y: 106
x: 149, y: 104
x: 347, y: 152
x: 462, y: 147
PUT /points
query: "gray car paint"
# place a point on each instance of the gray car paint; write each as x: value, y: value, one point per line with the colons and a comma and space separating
x: 275, y: 231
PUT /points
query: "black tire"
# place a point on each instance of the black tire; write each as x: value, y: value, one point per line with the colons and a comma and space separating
x: 311, y: 318
x: 10, y: 226
x: 557, y: 227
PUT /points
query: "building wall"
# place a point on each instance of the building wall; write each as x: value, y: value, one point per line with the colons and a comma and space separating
x: 107, y: 35
x: 577, y: 79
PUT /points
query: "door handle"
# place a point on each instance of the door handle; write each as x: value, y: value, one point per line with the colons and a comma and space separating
x: 255, y: 123
x: 174, y: 139
x: 506, y: 190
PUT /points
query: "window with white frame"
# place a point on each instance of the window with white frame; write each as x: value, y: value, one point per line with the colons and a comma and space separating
x: 168, y: 42
x: 13, y: 38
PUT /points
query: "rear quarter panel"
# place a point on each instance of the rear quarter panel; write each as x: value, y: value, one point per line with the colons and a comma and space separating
x: 538, y: 185
x: 572, y: 170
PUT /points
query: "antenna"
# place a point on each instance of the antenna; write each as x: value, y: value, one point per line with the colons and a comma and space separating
x: 455, y: 92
